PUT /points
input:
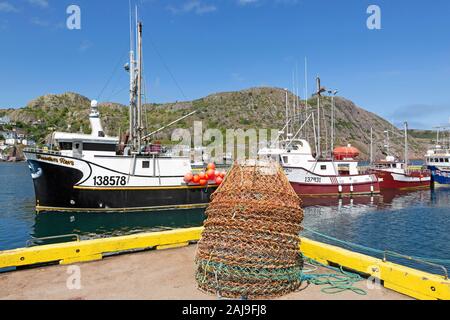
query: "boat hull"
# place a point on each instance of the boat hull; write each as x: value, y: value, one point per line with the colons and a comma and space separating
x: 390, y: 180
x: 439, y: 176
x: 308, y: 184
x: 58, y: 189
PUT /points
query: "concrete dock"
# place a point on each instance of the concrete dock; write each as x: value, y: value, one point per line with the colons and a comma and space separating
x: 150, y: 275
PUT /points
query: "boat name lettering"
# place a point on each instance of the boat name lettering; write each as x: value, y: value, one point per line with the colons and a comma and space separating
x: 110, y: 181
x: 56, y: 160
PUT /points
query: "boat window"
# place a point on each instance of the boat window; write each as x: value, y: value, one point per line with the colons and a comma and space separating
x: 99, y: 147
x: 324, y: 167
x: 446, y: 159
x: 441, y: 160
x: 145, y: 164
x: 65, y: 145
x: 285, y: 159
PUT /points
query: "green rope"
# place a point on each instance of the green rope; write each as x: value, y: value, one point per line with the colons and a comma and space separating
x: 335, y: 282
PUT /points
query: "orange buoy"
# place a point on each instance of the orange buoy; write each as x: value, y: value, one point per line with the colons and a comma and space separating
x: 188, y: 177
x: 211, y: 166
x: 202, y: 175
x: 203, y: 182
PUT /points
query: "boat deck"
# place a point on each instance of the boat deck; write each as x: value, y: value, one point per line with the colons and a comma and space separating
x: 150, y: 275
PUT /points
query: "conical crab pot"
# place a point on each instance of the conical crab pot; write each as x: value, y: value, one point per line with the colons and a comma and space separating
x: 250, y: 245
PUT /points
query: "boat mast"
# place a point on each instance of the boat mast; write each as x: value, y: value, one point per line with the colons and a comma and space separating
x: 371, y: 145
x: 319, y: 92
x: 306, y: 93
x: 387, y: 143
x: 406, y: 146
x: 132, y: 69
x: 139, y: 90
x: 319, y: 151
x: 286, y: 113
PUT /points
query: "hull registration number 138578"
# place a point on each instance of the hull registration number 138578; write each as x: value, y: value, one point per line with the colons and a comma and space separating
x: 110, y: 181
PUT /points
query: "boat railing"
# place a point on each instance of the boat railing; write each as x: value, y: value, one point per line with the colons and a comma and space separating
x: 39, y: 150
x: 364, y: 170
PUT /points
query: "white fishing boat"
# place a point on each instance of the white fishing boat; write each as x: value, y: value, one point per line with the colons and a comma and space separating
x: 97, y: 173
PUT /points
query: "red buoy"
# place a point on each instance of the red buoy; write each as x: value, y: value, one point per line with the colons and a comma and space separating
x: 219, y: 181
x: 202, y: 175
x: 196, y: 179
x: 203, y: 182
x: 188, y: 177
x: 211, y: 166
x: 211, y: 174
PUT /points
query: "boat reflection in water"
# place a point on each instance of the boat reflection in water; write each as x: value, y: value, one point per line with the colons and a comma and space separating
x: 89, y: 225
x: 100, y: 225
x: 399, y: 199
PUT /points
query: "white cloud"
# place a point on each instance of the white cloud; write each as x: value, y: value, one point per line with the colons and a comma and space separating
x: 196, y: 6
x: 237, y: 77
x: 7, y: 7
x: 39, y: 3
x: 85, y: 45
x: 246, y: 2
x: 39, y: 22
x: 261, y: 2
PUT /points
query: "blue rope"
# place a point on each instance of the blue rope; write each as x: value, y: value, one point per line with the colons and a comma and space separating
x: 372, y: 250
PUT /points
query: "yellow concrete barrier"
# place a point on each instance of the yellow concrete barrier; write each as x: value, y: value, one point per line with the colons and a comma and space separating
x: 405, y: 280
x: 89, y: 250
x: 408, y: 281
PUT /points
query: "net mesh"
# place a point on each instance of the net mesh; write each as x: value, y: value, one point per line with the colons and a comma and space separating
x: 250, y: 244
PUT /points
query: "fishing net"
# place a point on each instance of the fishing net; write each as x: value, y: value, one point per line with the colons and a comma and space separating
x: 250, y: 244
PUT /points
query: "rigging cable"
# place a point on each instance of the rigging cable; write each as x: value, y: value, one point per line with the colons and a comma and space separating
x: 111, y: 77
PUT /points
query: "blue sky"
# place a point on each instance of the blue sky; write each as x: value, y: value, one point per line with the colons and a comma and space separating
x: 400, y: 72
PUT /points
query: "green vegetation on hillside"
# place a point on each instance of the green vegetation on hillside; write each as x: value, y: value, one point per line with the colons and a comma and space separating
x: 259, y: 108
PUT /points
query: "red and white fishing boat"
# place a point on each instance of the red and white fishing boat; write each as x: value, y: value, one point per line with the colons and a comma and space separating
x: 314, y: 175
x: 309, y: 176
x: 394, y: 174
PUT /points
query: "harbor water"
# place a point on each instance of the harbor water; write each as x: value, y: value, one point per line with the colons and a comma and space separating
x: 412, y: 223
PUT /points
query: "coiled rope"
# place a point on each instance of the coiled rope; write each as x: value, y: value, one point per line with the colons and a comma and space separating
x: 334, y: 283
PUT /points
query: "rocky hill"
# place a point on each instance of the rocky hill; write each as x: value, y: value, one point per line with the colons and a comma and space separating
x: 253, y: 108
